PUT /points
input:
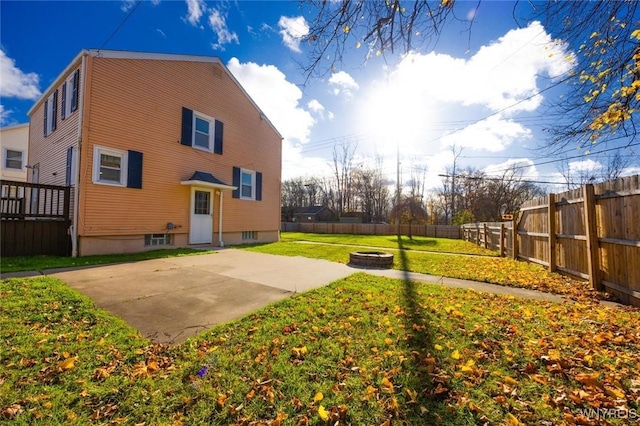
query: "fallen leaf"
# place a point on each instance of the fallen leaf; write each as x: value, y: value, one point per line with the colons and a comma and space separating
x: 67, y: 364
x: 323, y: 414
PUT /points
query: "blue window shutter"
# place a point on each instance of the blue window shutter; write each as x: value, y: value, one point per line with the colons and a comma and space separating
x: 68, y: 177
x: 54, y: 110
x: 46, y: 107
x: 76, y: 91
x: 187, y: 127
x: 258, y: 186
x: 134, y: 170
x: 217, y: 141
x: 236, y: 182
x: 64, y: 100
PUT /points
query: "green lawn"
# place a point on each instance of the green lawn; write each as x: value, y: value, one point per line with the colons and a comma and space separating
x: 39, y: 263
x: 491, y: 269
x: 362, y: 351
x: 442, y: 245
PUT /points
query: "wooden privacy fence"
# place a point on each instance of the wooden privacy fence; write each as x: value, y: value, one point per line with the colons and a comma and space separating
x: 592, y: 232
x: 490, y: 235
x: 433, y: 231
x: 35, y: 219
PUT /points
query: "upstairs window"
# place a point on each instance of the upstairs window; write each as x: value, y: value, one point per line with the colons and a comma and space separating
x: 201, y: 134
x: 201, y: 131
x: 70, y: 94
x: 50, y: 113
x: 12, y: 159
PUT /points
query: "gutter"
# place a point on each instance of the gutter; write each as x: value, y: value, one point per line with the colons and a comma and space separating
x: 76, y: 193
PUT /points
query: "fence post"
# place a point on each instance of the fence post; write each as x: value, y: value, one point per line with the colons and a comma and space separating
x: 551, y: 217
x: 592, y: 237
x: 477, y: 234
x: 486, y: 236
x: 502, y: 237
x: 515, y: 239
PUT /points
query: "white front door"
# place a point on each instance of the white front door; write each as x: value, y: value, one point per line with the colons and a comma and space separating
x: 201, y: 227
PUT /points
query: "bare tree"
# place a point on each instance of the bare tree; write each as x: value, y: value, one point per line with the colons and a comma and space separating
x: 293, y: 197
x: 372, y: 191
x: 611, y: 168
x: 375, y: 26
x: 342, y: 168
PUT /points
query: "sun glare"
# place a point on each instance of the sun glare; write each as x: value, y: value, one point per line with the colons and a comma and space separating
x: 395, y: 114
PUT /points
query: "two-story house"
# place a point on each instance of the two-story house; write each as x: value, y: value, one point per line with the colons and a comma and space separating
x: 161, y: 150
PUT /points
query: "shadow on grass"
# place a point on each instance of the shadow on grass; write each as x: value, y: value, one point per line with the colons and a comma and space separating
x: 416, y: 243
x: 430, y: 382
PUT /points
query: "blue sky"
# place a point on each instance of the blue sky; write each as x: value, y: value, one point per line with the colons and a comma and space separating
x: 476, y: 92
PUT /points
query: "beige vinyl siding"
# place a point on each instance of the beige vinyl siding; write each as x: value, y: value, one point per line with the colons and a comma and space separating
x: 137, y: 105
x: 50, y: 152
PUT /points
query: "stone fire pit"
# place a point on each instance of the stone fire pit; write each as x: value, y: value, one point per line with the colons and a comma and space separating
x: 371, y: 259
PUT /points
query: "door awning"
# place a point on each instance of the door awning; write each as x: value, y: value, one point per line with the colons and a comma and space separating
x: 207, y: 180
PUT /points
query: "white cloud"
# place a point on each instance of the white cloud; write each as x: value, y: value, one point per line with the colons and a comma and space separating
x: 127, y: 5
x: 195, y: 10
x: 14, y: 82
x: 500, y: 75
x: 293, y: 30
x: 315, y: 106
x: 4, y: 115
x: 493, y: 134
x: 277, y: 97
x: 582, y: 166
x: 218, y: 24
x: 343, y: 82
x: 524, y: 167
x: 280, y: 100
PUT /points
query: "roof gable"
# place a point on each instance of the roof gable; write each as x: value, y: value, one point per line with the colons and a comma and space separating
x: 149, y: 56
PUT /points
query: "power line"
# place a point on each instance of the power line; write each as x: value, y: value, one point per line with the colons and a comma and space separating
x: 133, y: 9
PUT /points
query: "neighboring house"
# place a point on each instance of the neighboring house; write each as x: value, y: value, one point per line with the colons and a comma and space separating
x: 314, y: 214
x: 14, y: 141
x: 161, y: 150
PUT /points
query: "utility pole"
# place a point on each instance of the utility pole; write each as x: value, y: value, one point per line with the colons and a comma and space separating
x: 453, y: 192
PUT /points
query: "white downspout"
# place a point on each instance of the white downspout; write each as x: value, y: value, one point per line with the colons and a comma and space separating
x: 220, y: 242
x: 76, y: 192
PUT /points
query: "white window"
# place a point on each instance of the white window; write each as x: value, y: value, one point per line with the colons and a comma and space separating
x: 50, y: 113
x: 109, y: 166
x: 70, y: 95
x: 247, y: 184
x: 249, y: 235
x: 12, y: 159
x: 70, y: 169
x: 203, y: 127
x: 157, y: 240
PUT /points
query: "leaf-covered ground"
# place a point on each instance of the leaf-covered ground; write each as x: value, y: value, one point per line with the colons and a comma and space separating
x: 362, y: 351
